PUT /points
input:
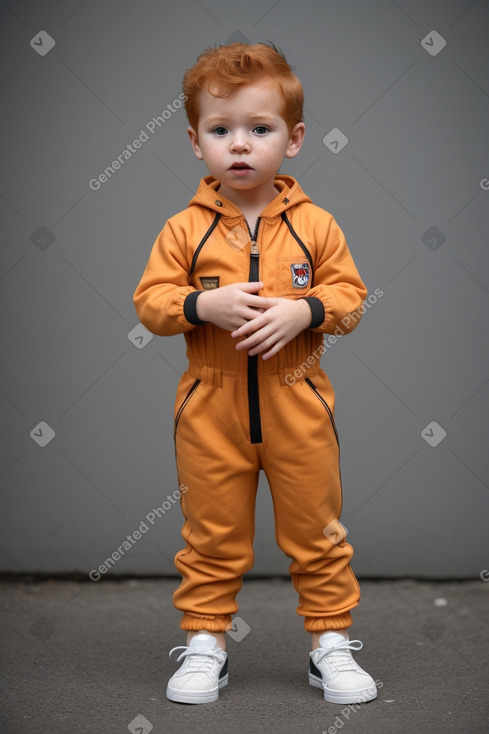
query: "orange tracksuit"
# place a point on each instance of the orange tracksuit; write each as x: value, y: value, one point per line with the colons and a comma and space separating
x: 235, y: 414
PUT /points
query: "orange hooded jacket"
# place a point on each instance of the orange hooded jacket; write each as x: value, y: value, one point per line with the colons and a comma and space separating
x: 298, y: 251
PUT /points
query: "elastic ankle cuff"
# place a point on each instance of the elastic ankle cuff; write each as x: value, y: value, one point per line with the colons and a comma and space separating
x: 320, y: 624
x: 201, y: 622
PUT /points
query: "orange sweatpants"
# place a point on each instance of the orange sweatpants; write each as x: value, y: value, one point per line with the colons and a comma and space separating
x: 219, y: 466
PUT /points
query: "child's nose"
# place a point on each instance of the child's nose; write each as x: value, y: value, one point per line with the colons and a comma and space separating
x: 239, y: 143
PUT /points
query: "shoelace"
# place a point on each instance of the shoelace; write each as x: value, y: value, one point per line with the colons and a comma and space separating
x: 196, y: 659
x: 341, y: 654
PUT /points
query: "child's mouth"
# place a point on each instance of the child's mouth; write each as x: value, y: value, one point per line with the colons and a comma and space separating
x: 240, y: 168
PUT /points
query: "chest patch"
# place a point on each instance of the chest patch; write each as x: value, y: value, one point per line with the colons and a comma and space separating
x: 210, y: 283
x: 300, y: 274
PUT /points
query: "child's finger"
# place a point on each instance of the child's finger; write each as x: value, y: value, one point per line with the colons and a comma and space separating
x: 250, y: 286
x: 249, y: 327
x: 260, y: 302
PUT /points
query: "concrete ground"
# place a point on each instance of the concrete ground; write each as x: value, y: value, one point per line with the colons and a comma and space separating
x: 93, y: 657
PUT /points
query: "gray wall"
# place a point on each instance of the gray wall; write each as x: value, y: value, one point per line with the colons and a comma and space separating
x: 410, y: 190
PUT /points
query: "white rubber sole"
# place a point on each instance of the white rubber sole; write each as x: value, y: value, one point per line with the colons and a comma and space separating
x: 360, y: 696
x: 180, y: 696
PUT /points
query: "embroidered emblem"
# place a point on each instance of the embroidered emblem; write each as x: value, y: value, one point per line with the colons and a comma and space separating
x: 300, y: 274
x: 210, y: 283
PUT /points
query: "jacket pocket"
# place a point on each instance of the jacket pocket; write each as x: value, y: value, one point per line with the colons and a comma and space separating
x: 293, y: 276
x: 326, y: 406
x: 184, y: 403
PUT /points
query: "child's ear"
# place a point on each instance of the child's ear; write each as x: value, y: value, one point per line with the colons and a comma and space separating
x: 296, y: 139
x: 194, y: 143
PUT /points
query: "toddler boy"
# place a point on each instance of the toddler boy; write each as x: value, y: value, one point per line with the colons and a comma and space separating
x: 254, y: 274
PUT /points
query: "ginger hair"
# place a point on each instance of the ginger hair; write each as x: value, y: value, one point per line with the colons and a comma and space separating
x: 223, y: 68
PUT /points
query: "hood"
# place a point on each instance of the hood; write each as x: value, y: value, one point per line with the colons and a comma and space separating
x: 289, y: 193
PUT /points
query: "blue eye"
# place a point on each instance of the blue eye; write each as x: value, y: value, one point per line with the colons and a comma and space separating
x: 260, y: 129
x: 220, y: 130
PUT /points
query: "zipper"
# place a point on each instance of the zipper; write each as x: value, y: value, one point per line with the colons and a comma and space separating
x: 323, y: 401
x: 184, y: 403
x: 253, y: 395
x: 255, y: 252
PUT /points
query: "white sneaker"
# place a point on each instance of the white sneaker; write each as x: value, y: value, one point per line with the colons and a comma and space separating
x: 203, y: 672
x: 332, y: 668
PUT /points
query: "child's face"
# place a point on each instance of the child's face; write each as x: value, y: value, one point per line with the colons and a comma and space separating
x: 247, y: 128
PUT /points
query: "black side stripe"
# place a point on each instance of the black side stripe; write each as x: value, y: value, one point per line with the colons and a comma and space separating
x: 203, y: 241
x: 328, y: 409
x: 300, y: 242
x: 193, y: 388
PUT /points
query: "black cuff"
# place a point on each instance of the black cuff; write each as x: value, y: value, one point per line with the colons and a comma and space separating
x: 317, y: 309
x: 190, y: 309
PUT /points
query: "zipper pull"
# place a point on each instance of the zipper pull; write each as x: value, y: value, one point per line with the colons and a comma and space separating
x: 255, y: 252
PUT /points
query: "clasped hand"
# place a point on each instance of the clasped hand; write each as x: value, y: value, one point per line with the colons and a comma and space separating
x: 264, y: 325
